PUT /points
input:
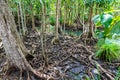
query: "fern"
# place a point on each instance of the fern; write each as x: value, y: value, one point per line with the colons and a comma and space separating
x: 109, y: 50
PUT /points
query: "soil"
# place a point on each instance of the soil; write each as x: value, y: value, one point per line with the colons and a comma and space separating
x: 72, y: 59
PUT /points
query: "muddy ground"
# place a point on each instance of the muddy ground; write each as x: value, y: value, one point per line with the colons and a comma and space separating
x: 69, y: 60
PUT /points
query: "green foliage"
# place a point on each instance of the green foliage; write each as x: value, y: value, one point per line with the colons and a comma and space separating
x: 70, y: 9
x: 116, y: 25
x: 101, y: 3
x: 118, y: 74
x: 52, y: 20
x: 111, y: 24
x: 116, y: 36
x: 104, y: 3
x: 104, y: 20
x: 108, y: 49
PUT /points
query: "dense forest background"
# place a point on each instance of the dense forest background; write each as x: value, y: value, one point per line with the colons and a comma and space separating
x: 59, y: 39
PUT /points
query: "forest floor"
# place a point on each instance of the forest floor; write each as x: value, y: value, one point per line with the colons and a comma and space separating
x: 72, y: 59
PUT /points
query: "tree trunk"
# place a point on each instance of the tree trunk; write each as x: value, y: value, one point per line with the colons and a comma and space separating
x: 32, y: 16
x: 10, y: 39
x: 8, y: 35
x: 90, y: 34
x: 57, y: 18
x: 19, y: 29
x: 21, y: 16
x: 33, y: 21
x: 24, y: 17
x: 56, y: 38
x: 43, y: 34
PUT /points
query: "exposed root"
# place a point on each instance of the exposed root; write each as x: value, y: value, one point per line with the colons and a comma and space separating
x: 44, y: 76
x: 86, y: 38
x: 55, y: 41
x: 61, y: 60
x: 77, y: 58
x: 21, y: 73
x: 94, y: 63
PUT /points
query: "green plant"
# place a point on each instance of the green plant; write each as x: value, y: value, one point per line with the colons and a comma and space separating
x: 116, y: 28
x: 117, y: 77
x: 116, y: 36
x: 110, y: 23
x: 109, y: 50
x: 103, y: 20
x: 52, y: 20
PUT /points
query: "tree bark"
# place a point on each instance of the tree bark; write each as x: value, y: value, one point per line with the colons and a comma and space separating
x: 57, y: 29
x: 43, y: 32
x: 32, y: 16
x: 57, y: 18
x: 22, y: 19
x: 10, y: 39
x: 90, y: 34
x: 18, y: 13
